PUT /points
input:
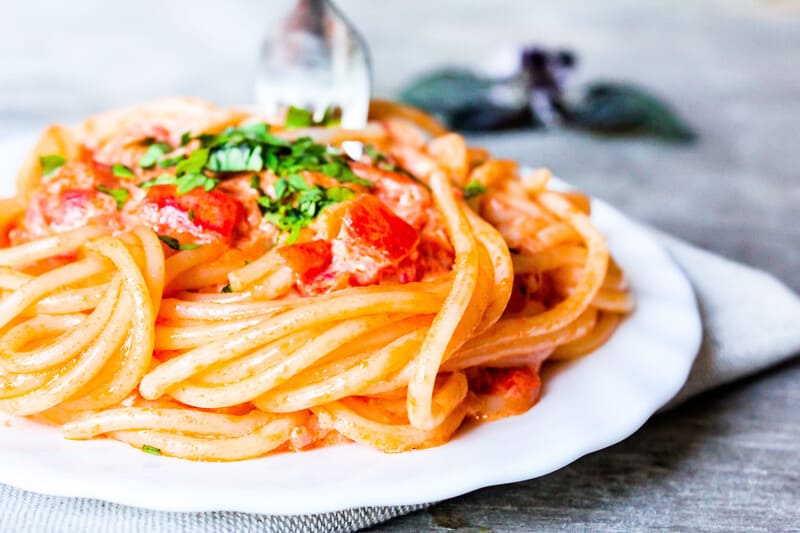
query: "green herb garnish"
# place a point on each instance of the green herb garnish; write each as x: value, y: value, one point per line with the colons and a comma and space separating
x: 154, y: 152
x: 152, y: 450
x: 255, y: 184
x: 296, y: 203
x: 252, y: 148
x: 164, y: 179
x: 187, y: 182
x: 226, y: 288
x: 121, y: 171
x: 173, y: 243
x: 473, y: 188
x: 297, y: 117
x: 120, y: 195
x: 373, y: 154
x: 171, y: 161
x: 50, y: 164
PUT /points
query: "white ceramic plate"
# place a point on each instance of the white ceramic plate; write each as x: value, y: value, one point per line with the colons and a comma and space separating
x: 586, y: 405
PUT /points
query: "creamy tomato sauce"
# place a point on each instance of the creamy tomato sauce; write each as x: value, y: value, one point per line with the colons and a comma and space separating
x: 389, y: 232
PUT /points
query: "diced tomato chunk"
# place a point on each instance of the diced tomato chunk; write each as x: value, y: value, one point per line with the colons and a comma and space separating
x: 196, y: 211
x: 307, y: 259
x: 374, y: 229
x: 408, y: 199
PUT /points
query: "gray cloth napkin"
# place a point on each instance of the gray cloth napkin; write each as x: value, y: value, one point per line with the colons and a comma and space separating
x: 750, y: 322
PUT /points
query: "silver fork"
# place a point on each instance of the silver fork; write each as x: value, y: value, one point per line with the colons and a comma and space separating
x: 315, y: 59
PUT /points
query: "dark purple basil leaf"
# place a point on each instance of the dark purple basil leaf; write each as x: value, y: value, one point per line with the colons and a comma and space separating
x: 491, y: 117
x: 622, y: 108
x: 447, y: 91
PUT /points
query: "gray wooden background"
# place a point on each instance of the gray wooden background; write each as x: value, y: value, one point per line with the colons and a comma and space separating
x: 728, y: 460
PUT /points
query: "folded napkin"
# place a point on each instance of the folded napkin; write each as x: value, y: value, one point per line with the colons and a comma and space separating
x: 750, y: 322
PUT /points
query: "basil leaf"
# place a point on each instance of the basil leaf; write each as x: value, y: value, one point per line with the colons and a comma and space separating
x: 171, y: 161
x: 239, y: 158
x: 121, y: 171
x: 164, y: 179
x: 172, y: 242
x: 194, y: 163
x: 152, y: 450
x: 297, y: 182
x: 473, y: 188
x: 338, y: 194
x: 621, y: 108
x: 188, y: 182
x: 120, y: 195
x: 50, y: 164
x: 154, y: 152
x: 255, y: 184
x: 297, y: 117
x: 373, y: 154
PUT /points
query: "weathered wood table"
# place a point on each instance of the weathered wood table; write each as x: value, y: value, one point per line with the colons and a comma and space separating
x: 728, y: 460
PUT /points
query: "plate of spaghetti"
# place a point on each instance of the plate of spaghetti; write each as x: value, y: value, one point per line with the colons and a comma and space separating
x: 203, y: 311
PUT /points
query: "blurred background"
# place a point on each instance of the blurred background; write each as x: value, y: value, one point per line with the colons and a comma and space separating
x: 729, y: 66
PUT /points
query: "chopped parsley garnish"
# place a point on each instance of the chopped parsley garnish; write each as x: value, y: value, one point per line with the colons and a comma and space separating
x: 296, y: 203
x: 164, y: 179
x: 187, y: 182
x: 152, y: 450
x: 252, y: 148
x: 154, y: 152
x: 473, y: 188
x: 173, y: 243
x: 194, y: 163
x: 255, y: 184
x: 226, y: 288
x: 237, y: 159
x: 188, y: 174
x: 50, y: 164
x: 249, y: 148
x: 297, y: 117
x: 121, y: 171
x: 191, y: 215
x: 120, y: 195
x: 373, y: 154
x: 171, y: 161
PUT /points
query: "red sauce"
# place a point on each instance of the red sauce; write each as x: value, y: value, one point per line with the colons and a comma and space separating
x: 386, y: 233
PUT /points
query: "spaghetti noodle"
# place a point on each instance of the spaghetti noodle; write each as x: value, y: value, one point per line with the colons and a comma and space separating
x: 198, y: 284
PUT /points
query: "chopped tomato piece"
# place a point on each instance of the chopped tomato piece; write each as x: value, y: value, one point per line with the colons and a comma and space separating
x: 408, y: 199
x: 197, y: 211
x: 307, y: 259
x: 374, y: 230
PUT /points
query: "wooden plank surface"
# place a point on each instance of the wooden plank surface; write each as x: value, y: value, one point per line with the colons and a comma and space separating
x: 728, y: 460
